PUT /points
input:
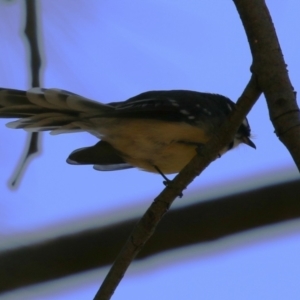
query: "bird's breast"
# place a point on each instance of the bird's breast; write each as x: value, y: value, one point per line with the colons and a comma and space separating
x: 148, y: 143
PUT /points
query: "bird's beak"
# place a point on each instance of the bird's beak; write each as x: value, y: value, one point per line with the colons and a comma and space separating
x: 248, y: 142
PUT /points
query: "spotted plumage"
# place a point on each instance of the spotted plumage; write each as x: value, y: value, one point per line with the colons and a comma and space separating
x: 156, y: 130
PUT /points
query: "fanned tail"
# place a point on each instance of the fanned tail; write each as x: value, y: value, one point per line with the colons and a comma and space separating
x: 56, y: 110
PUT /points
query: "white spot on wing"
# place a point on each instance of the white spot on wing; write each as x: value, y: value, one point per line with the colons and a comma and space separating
x: 185, y: 112
x: 207, y: 111
x: 245, y: 122
x: 229, y: 106
x: 173, y: 102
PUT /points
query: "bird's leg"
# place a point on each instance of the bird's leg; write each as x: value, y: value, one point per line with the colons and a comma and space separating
x: 166, y: 181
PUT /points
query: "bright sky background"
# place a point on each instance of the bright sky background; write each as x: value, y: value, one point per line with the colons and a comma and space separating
x: 110, y: 51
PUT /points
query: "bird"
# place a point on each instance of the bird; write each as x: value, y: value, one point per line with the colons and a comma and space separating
x: 156, y: 131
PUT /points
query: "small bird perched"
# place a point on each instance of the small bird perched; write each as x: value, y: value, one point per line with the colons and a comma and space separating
x: 157, y: 131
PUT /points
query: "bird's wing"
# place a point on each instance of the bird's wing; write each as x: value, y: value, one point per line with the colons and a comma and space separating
x: 174, y: 106
x: 59, y: 110
x: 103, y: 156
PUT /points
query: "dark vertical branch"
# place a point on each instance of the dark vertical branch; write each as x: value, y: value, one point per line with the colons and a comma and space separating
x: 271, y: 73
x: 32, y: 147
x: 31, y: 33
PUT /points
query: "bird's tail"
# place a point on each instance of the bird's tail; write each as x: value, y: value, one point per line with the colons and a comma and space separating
x: 49, y: 109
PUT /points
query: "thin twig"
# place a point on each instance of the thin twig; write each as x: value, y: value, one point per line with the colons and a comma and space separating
x: 33, y: 143
x: 146, y: 226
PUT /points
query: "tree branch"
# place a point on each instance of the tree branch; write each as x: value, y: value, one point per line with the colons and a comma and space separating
x: 33, y: 142
x: 270, y: 70
x: 146, y: 226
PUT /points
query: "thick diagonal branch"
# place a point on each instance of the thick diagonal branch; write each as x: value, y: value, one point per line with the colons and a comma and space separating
x: 146, y: 226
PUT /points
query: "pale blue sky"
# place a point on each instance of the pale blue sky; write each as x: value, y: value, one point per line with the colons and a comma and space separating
x: 110, y: 51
